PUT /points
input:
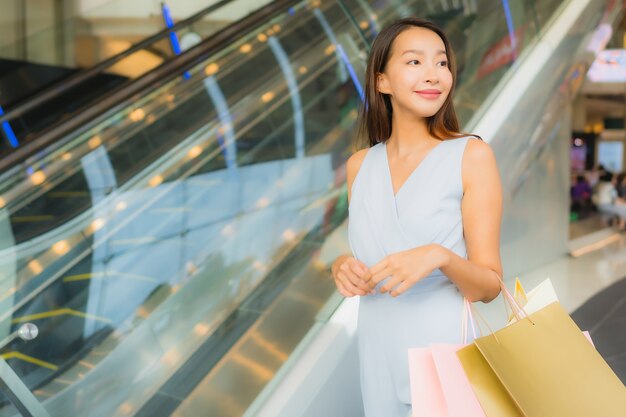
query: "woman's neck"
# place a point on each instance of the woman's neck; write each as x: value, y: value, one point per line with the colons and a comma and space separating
x: 409, y: 135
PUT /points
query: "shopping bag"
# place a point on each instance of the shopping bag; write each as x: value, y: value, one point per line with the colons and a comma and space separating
x: 540, y: 366
x: 457, y: 391
x: 537, y: 298
x: 426, y: 393
x: 534, y: 300
x: 493, y: 397
x: 439, y: 387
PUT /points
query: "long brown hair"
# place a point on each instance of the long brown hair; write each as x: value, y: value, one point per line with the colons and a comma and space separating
x: 376, y: 112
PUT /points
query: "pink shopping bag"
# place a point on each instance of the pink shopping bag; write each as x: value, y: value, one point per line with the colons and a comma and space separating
x: 439, y: 387
x: 426, y: 394
x: 457, y: 391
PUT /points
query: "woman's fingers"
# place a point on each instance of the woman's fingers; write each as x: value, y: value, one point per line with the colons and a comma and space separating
x: 348, y: 285
x: 379, y: 276
x: 378, y: 272
x: 359, y: 268
x: 400, y: 289
x: 348, y: 278
x: 394, y: 284
x: 349, y: 272
x: 362, y: 267
x: 342, y: 290
x: 355, y: 274
x: 368, y: 275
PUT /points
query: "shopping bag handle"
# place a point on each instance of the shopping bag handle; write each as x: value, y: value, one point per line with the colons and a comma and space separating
x: 469, y: 312
x: 517, y: 310
x: 467, y: 321
x: 468, y: 317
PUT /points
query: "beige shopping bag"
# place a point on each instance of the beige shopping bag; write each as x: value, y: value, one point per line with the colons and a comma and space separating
x: 534, y: 300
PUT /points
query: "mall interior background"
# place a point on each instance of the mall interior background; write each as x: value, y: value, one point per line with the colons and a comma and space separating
x: 169, y: 212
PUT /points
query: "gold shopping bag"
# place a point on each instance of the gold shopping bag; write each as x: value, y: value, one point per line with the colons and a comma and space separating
x: 542, y: 366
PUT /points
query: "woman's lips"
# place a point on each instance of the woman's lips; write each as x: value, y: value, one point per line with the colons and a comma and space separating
x: 429, y: 94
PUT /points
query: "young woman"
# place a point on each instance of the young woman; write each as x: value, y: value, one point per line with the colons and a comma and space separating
x: 424, y: 213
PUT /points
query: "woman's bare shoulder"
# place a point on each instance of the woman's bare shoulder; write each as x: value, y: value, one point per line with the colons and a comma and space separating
x: 355, y: 161
x: 477, y: 153
x: 353, y: 165
x: 479, y: 161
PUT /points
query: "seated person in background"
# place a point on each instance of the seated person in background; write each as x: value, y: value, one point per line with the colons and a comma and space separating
x: 607, y: 201
x: 581, y: 196
x: 593, y: 176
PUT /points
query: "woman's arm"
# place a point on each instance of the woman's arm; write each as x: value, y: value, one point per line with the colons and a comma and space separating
x: 478, y: 277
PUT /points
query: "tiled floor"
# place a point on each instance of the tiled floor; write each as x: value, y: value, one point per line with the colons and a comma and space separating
x: 576, y: 280
x: 586, y: 226
x: 604, y: 315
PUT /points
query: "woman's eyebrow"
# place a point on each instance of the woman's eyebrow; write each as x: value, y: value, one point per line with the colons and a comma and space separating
x: 418, y: 52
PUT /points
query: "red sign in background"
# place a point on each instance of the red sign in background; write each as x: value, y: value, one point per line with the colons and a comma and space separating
x: 500, y: 54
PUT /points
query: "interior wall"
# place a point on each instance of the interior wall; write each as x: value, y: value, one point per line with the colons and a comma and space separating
x: 106, y: 27
x: 41, y: 32
x: 37, y: 31
x: 535, y: 226
x: 10, y: 28
x: 145, y: 8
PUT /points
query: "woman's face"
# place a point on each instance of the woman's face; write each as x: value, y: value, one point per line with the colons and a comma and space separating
x: 417, y: 76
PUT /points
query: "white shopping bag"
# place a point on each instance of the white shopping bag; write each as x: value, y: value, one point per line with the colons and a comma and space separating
x: 536, y: 299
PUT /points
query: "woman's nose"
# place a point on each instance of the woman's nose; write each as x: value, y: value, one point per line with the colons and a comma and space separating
x: 431, y: 74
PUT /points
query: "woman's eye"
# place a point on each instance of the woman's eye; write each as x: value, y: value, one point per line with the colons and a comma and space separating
x: 413, y: 62
x: 445, y: 63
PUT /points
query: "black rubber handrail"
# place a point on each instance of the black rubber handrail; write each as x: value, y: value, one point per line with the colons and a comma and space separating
x: 161, y: 74
x: 56, y: 90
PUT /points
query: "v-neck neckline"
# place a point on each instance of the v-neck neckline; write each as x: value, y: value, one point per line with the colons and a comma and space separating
x: 396, y: 193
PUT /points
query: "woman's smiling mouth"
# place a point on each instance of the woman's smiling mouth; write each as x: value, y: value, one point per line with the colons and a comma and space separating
x: 430, y: 94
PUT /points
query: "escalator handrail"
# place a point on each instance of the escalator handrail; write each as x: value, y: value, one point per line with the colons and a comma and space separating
x: 159, y: 75
x: 66, y: 84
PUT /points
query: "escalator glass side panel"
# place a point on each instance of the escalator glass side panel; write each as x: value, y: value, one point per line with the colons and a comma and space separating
x: 150, y: 186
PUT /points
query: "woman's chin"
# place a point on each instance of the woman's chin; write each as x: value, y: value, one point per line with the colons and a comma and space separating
x: 425, y: 113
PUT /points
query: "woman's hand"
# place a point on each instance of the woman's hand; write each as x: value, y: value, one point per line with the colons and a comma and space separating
x: 406, y: 268
x: 348, y: 275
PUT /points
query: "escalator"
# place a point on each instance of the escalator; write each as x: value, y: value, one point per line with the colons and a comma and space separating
x: 173, y: 250
x: 22, y: 81
x: 38, y: 95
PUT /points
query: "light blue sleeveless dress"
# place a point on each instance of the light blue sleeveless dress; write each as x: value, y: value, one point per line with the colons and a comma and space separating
x: 427, y: 209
